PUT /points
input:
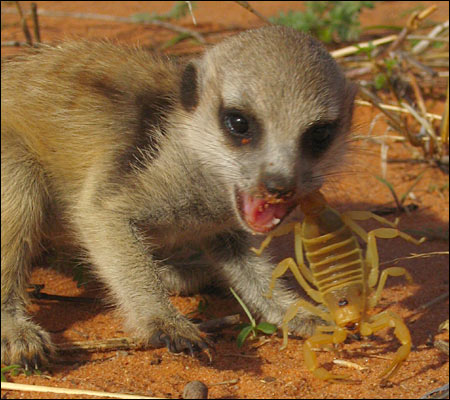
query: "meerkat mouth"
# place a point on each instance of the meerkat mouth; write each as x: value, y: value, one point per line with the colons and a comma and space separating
x: 263, y: 212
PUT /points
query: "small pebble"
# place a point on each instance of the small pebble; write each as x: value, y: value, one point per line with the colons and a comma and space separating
x: 195, y: 390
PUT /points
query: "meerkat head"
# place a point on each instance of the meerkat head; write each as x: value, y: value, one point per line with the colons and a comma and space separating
x: 271, y: 109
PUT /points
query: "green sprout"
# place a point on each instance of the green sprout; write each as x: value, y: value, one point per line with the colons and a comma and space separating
x: 251, y: 327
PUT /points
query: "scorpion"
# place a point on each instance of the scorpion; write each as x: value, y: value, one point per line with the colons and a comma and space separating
x: 344, y: 280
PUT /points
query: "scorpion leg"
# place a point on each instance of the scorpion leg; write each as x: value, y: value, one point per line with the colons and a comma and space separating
x: 388, y: 319
x: 284, y: 230
x: 372, y: 252
x: 365, y: 215
x: 321, y: 340
x: 392, y: 271
x: 281, y: 269
x: 292, y: 312
x: 299, y: 254
x: 280, y: 231
x: 349, y: 218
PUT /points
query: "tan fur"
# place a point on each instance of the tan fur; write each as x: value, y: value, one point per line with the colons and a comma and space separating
x: 126, y: 152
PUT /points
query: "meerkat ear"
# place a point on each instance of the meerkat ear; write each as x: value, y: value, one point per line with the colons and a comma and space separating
x: 189, y: 87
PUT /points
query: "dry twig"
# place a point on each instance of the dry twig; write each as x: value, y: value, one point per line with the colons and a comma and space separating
x: 433, y: 301
x: 346, y: 51
x: 126, y: 343
x: 425, y: 42
x: 37, y: 33
x: 248, y: 7
x: 50, y: 389
x: 413, y: 24
x: 398, y: 109
x: 23, y: 21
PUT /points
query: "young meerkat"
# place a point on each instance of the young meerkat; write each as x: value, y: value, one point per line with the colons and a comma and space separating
x: 163, y: 172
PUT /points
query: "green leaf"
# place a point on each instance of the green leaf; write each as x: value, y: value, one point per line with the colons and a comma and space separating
x: 176, y: 39
x: 391, y: 189
x: 326, y: 19
x: 388, y: 184
x: 438, y: 45
x: 80, y: 272
x: 179, y: 9
x: 367, y: 50
x: 380, y: 81
x: 13, y: 368
x: 416, y: 181
x: 252, y: 320
x: 143, y: 17
x: 390, y: 64
x: 266, y: 327
x: 243, y: 335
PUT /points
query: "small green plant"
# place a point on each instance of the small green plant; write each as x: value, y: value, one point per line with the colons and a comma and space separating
x: 177, y: 39
x: 252, y: 327
x: 81, y: 274
x: 15, y: 370
x: 386, y: 68
x: 434, y: 188
x: 383, y: 80
x: 327, y: 20
x: 12, y: 369
x: 179, y: 10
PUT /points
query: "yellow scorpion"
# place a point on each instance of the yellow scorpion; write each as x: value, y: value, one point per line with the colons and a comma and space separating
x: 343, y: 278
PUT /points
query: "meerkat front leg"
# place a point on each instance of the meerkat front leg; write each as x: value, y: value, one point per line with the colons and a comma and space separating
x: 123, y: 262
x: 23, y: 206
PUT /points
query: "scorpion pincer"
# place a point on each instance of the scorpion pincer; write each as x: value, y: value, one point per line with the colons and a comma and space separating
x: 344, y: 280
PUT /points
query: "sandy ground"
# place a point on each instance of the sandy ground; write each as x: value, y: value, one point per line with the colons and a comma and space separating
x: 259, y: 369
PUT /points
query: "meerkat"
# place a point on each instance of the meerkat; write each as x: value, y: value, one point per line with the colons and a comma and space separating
x: 163, y: 172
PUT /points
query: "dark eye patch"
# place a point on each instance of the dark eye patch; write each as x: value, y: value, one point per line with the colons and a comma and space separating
x: 318, y: 138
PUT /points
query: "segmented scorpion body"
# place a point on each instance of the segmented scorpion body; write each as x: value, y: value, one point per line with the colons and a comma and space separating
x: 343, y: 278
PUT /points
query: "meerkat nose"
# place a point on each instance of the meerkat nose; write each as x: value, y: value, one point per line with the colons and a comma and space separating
x: 279, y: 185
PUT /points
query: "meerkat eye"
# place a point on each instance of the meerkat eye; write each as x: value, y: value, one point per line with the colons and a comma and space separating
x: 236, y: 124
x: 321, y: 135
x: 240, y: 128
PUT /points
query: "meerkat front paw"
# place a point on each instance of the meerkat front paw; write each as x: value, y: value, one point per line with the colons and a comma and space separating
x: 178, y: 344
x: 24, y: 342
x: 178, y: 335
